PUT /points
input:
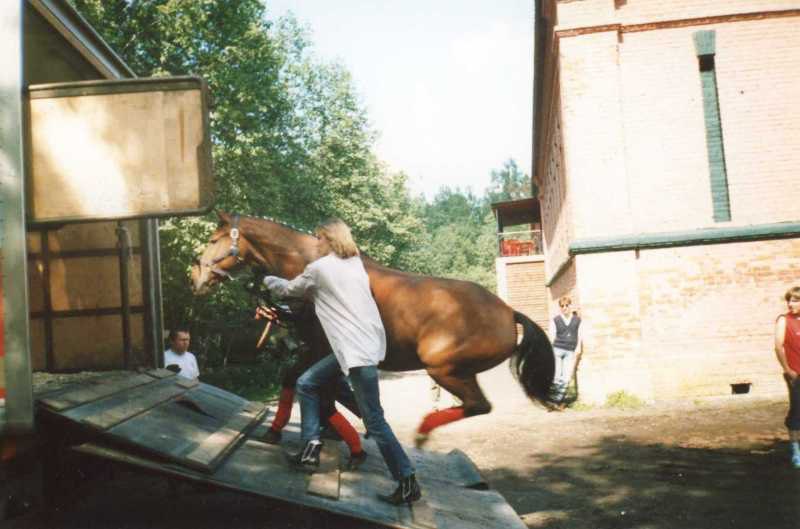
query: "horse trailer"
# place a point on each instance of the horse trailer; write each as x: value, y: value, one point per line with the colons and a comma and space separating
x: 90, y: 157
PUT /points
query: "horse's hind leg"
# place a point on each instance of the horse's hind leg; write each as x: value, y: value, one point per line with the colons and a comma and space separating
x: 466, y: 388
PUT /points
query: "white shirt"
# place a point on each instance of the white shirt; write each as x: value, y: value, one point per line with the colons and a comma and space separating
x: 186, y: 361
x: 344, y: 304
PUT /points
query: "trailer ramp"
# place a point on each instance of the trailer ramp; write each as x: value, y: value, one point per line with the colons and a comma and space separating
x: 161, y: 423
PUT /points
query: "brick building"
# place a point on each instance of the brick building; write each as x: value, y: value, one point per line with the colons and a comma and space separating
x: 667, y: 149
x: 519, y: 265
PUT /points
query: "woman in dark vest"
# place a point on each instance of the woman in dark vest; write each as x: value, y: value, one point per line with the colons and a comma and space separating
x: 566, y: 335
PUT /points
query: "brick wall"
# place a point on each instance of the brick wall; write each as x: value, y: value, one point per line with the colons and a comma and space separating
x: 587, y: 13
x: 608, y: 285
x: 664, y: 134
x: 555, y: 197
x: 673, y: 322
x: 594, y: 155
x: 634, y: 132
x: 684, y: 322
x: 524, y: 287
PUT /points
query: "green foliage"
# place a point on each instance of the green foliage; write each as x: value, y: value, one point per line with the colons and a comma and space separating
x: 259, y: 381
x: 623, y: 400
x: 509, y: 183
x: 580, y: 405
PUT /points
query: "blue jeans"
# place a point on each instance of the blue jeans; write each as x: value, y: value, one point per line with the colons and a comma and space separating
x: 365, y: 386
x: 310, y: 386
x: 565, y: 364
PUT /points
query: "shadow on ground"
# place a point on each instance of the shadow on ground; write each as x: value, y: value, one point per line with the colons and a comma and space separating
x: 617, y: 483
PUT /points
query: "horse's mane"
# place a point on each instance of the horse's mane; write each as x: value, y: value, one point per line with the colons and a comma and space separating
x: 281, y: 223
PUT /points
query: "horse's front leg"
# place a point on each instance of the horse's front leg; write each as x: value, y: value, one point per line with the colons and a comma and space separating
x: 466, y: 388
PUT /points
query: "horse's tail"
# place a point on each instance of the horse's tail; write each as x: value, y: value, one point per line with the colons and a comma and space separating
x: 533, y: 362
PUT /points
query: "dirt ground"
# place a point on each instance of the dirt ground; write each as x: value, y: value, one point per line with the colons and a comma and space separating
x: 715, y: 463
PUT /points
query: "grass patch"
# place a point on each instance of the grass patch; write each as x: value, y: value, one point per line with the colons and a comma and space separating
x: 580, y: 406
x: 623, y: 400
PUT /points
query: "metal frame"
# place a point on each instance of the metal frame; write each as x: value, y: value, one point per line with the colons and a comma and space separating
x: 17, y: 414
x: 82, y: 36
x: 73, y: 27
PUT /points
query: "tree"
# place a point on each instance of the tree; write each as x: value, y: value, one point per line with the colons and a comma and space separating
x: 290, y: 137
x: 459, y: 239
x: 509, y: 183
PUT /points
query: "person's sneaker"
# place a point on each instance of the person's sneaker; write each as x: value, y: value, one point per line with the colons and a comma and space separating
x: 308, y: 458
x: 330, y: 433
x: 796, y: 461
x: 272, y: 437
x: 356, y: 460
x: 407, y: 491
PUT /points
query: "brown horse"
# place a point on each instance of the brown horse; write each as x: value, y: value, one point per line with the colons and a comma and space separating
x: 453, y: 329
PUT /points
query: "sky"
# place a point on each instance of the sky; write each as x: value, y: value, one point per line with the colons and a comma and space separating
x: 446, y: 83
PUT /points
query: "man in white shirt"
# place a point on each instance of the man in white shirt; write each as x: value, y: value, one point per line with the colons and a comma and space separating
x: 178, y: 354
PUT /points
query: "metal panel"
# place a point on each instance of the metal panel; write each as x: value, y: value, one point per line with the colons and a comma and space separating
x: 80, y: 35
x: 16, y: 413
x: 157, y: 164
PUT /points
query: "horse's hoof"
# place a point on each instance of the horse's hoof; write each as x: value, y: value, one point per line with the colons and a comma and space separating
x: 272, y: 437
x: 421, y: 439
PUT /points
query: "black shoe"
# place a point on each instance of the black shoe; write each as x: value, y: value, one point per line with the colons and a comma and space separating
x: 272, y: 437
x: 330, y: 433
x: 407, y: 491
x: 308, y: 458
x: 356, y: 460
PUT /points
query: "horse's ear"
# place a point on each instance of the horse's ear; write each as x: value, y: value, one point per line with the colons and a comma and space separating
x: 224, y: 218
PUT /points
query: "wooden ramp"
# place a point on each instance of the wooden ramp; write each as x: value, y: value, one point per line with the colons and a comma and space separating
x: 198, y: 433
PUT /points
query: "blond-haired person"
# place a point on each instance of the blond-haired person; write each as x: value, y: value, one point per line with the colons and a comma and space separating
x: 565, y: 331
x: 339, y: 287
x: 787, y: 349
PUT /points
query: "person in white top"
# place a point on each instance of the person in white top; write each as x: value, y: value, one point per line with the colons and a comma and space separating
x: 178, y: 354
x: 566, y: 333
x: 338, y: 285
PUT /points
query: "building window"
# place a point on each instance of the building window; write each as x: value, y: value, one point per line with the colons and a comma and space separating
x: 704, y: 43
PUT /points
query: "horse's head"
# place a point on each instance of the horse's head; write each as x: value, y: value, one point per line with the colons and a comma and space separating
x: 262, y: 243
x: 226, y: 252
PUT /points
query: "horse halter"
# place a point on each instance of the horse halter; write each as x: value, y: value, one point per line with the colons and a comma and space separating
x: 233, y: 251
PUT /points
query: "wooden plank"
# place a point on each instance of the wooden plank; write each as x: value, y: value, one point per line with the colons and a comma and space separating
x: 260, y: 469
x: 213, y: 450
x: 171, y: 430
x: 325, y: 481
x: 465, y: 468
x: 423, y: 515
x: 133, y: 406
x: 187, y: 383
x: 215, y: 404
x: 160, y: 373
x: 89, y: 393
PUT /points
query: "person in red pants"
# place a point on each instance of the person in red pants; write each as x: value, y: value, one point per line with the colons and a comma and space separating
x: 334, y: 419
